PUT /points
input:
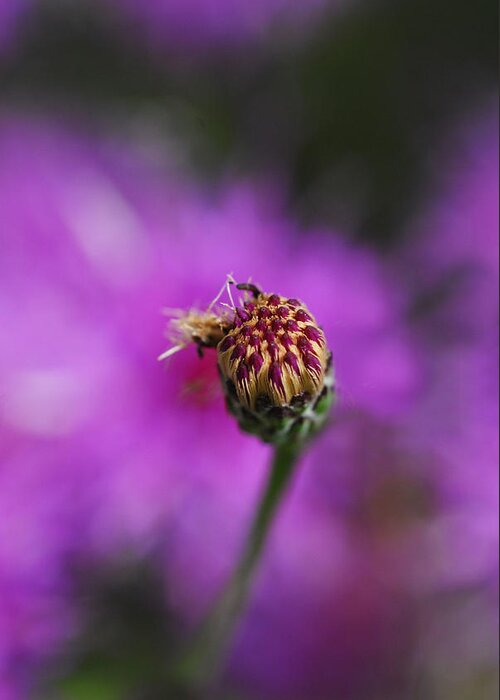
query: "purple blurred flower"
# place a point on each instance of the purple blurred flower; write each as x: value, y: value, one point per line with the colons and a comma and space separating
x: 10, y: 11
x: 461, y: 227
x: 104, y: 448
x: 456, y: 256
x: 453, y: 272
x: 97, y: 439
x: 203, y: 24
x: 97, y: 443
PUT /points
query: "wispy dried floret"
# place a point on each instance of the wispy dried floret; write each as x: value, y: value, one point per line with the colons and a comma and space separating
x: 205, y: 329
x: 202, y: 328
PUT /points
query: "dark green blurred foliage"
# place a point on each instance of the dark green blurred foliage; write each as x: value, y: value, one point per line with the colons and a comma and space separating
x: 346, y: 118
x: 128, y: 641
x: 127, y: 637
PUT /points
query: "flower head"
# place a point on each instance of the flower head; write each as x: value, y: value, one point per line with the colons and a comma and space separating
x: 275, y: 354
x: 272, y: 357
x: 274, y: 363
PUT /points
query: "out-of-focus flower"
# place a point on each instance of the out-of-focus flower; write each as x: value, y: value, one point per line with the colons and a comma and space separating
x: 103, y: 448
x: 459, y: 230
x: 455, y: 424
x: 204, y: 24
x: 456, y: 318
x: 10, y: 11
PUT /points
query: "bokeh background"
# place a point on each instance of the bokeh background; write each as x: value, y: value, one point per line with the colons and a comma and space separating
x: 340, y: 151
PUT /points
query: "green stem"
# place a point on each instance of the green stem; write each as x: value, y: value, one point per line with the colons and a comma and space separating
x: 201, y: 662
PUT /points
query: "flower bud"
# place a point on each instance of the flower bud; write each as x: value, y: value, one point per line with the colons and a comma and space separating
x: 276, y: 368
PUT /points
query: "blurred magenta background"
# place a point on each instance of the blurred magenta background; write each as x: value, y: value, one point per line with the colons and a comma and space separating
x: 345, y: 153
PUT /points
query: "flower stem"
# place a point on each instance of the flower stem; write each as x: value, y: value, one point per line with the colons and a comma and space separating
x: 202, y: 660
